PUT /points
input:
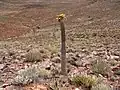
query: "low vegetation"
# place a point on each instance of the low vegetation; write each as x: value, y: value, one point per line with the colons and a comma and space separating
x: 85, y: 80
x: 101, y: 87
x: 100, y: 67
x: 3, y: 18
x: 35, y: 55
x: 31, y: 74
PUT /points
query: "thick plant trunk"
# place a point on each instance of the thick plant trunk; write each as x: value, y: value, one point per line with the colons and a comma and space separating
x: 63, y: 49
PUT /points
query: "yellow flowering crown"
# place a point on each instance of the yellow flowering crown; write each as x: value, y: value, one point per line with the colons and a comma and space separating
x: 60, y: 16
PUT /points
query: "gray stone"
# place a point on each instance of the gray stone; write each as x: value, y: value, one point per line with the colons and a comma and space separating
x: 56, y: 60
x: 1, y: 89
x: 13, y: 88
x: 72, y: 62
x: 79, y: 63
x: 71, y: 50
x: 2, y: 66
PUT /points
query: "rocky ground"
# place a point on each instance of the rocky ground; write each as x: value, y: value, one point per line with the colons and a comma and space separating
x: 29, y: 28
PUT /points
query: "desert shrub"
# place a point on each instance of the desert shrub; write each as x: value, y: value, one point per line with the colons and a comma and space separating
x: 34, y: 55
x: 53, y: 47
x: 101, y: 87
x: 85, y: 80
x: 4, y: 18
x: 100, y: 67
x: 29, y: 75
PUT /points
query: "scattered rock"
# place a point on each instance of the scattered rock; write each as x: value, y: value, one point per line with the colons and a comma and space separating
x: 54, y: 72
x: 22, y: 55
x: 11, y: 87
x: 71, y: 50
x: 35, y: 87
x: 77, y: 89
x: 45, y: 64
x: 11, y: 53
x: 2, y: 66
x: 117, y: 72
x: 74, y: 58
x: 3, y: 58
x: 63, y: 80
x: 115, y: 57
x: 77, y: 55
x: 18, y: 57
x: 48, y: 67
x: 56, y: 59
x: 79, y: 63
x: 55, y: 69
x: 38, y: 27
x: 72, y: 62
x: 85, y: 51
x: 70, y: 54
x: 42, y: 51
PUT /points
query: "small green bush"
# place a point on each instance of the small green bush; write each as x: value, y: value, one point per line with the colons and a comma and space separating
x: 85, y: 80
x: 101, y: 67
x: 101, y: 87
x: 28, y: 75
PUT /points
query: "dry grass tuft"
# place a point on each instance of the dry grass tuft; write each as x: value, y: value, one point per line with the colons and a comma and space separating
x: 35, y: 55
x: 101, y: 67
x: 85, y: 80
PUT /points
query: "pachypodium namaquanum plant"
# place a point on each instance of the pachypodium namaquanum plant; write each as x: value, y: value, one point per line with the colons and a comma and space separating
x: 60, y: 18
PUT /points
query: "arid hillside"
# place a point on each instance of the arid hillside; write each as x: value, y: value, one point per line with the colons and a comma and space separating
x: 22, y: 15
